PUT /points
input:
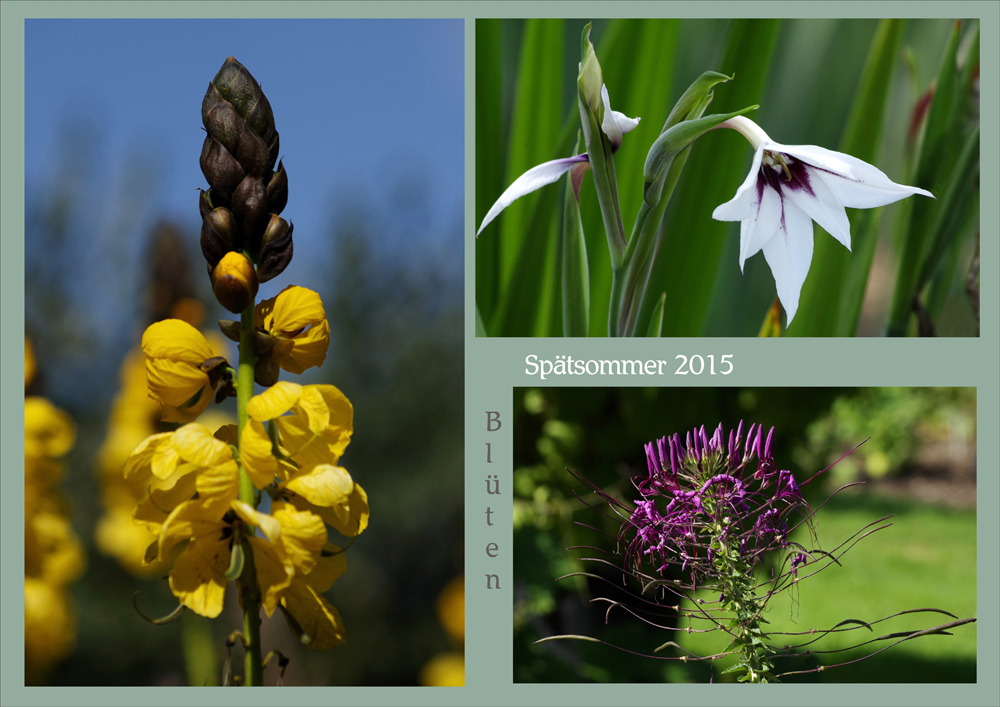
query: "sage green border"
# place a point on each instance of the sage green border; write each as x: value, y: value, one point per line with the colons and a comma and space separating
x: 493, y: 367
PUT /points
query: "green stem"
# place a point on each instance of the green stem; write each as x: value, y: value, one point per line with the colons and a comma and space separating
x: 249, y: 591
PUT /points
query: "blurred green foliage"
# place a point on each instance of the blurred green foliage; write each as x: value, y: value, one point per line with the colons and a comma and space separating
x: 600, y: 432
x: 898, y: 420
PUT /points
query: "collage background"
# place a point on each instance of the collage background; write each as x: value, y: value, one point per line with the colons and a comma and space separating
x: 494, y: 367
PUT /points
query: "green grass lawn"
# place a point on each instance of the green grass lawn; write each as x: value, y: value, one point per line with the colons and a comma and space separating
x: 926, y: 559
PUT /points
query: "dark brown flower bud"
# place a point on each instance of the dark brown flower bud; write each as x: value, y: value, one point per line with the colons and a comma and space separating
x: 276, y: 249
x: 234, y: 282
x: 250, y: 209
x: 277, y: 190
x: 218, y: 234
x: 221, y: 120
x: 246, y: 118
x: 220, y: 168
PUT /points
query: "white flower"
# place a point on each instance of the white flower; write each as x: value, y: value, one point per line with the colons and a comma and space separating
x: 789, y: 187
x: 614, y: 125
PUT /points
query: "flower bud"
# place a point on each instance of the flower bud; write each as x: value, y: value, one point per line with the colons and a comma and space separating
x: 220, y: 168
x: 218, y: 234
x: 234, y: 282
x: 250, y: 209
x: 275, y: 249
x: 277, y: 190
x: 241, y: 130
x: 591, y: 78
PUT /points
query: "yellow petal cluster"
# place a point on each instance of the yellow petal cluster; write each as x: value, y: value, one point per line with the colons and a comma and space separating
x: 314, y: 425
x: 185, y: 484
x: 297, y: 321
x: 134, y: 417
x: 191, y: 506
x: 175, y: 352
x: 53, y: 555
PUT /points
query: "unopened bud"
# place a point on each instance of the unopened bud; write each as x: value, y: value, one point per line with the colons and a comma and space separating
x: 218, y: 233
x: 250, y: 210
x: 591, y: 78
x: 275, y: 249
x: 234, y: 282
x: 277, y: 190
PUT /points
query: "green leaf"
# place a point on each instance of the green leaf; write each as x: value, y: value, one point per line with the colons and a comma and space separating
x: 671, y: 142
x: 834, y: 290
x: 528, y: 228
x: 932, y: 174
x: 952, y: 209
x: 689, y: 260
x: 480, y: 327
x: 490, y: 154
x: 575, y: 278
x: 656, y: 320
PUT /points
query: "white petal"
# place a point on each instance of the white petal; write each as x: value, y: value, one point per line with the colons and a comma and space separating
x: 535, y: 178
x: 822, y: 206
x: 856, y: 183
x: 789, y: 253
x: 757, y: 230
x: 615, y: 124
x: 744, y: 204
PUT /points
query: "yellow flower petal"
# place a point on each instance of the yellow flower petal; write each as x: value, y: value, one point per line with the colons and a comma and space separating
x: 176, y: 340
x: 318, y: 620
x: 29, y: 362
x: 444, y: 670
x: 175, y: 383
x: 189, y: 520
x: 174, y: 351
x: 274, y: 402
x: 48, y: 431
x: 62, y: 556
x: 303, y: 535
x: 255, y: 453
x: 198, y: 445
x: 451, y: 609
x: 218, y: 486
x: 116, y: 535
x: 156, y: 508
x: 313, y: 407
x: 323, y: 485
x: 332, y: 563
x: 49, y: 626
x: 270, y: 526
x: 138, y: 466
x: 274, y: 574
x: 309, y: 350
x: 296, y: 308
x: 341, y: 410
x: 301, y: 433
x: 352, y: 519
x: 296, y: 315
x: 198, y: 577
x: 165, y: 460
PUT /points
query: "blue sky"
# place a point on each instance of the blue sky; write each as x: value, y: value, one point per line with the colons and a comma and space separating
x: 370, y: 113
x: 358, y: 104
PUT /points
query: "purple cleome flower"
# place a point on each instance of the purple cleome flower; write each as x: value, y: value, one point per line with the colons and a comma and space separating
x: 708, y: 493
